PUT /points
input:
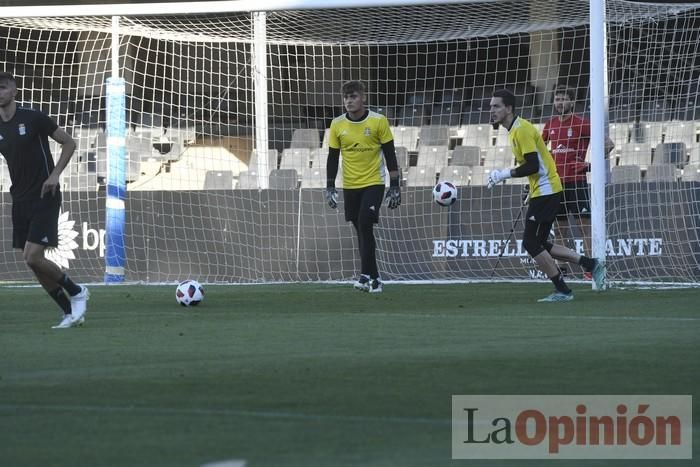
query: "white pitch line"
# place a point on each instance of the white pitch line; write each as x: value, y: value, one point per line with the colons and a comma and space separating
x: 510, y: 317
x: 228, y: 463
x: 222, y: 411
x: 615, y: 318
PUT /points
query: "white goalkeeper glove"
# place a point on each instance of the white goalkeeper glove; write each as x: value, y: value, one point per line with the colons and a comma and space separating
x: 497, y: 176
x: 332, y: 197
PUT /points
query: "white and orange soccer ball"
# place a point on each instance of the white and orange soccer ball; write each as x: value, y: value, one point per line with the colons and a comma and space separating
x: 445, y: 193
x: 189, y: 293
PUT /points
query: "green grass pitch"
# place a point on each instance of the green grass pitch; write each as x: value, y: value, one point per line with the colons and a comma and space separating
x: 318, y: 374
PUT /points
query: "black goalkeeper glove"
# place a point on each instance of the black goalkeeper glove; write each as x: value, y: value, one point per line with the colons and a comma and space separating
x: 332, y: 197
x: 394, y: 197
x: 525, y: 194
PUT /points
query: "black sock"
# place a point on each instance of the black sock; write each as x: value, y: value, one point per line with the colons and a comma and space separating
x: 59, y: 296
x: 587, y: 263
x: 71, y: 287
x: 559, y: 284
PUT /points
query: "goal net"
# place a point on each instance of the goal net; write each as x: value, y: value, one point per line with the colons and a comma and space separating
x: 226, y: 142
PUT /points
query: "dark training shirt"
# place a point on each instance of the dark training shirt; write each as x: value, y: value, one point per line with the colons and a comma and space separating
x: 24, y: 142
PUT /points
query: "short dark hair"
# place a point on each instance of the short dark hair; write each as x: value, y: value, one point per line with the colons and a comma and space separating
x: 507, y: 97
x: 566, y: 90
x: 353, y: 86
x: 7, y: 76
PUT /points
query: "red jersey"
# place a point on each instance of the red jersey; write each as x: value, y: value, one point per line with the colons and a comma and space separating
x: 569, y: 140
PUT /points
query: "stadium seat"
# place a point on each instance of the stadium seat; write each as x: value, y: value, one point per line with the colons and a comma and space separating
x: 313, y: 177
x: 661, y: 173
x: 478, y: 135
x: 434, y: 136
x: 635, y: 154
x: 479, y: 175
x: 499, y: 157
x: 86, y: 139
x: 420, y: 176
x: 319, y: 158
x: 620, y: 133
x: 691, y: 173
x: 247, y: 180
x: 681, y: 131
x: 501, y: 137
x: 626, y: 174
x: 101, y: 154
x: 406, y: 136
x: 139, y: 146
x: 165, y: 146
x: 647, y: 133
x: 295, y: 158
x: 670, y: 153
x: 271, y: 159
x: 694, y: 155
x: 284, y: 179
x: 457, y: 174
x: 402, y: 157
x: 433, y: 156
x: 218, y: 180
x: 305, y: 138
x: 133, y: 166
x: 466, y: 155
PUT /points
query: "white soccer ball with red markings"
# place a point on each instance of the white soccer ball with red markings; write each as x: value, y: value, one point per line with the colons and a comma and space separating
x: 445, y: 193
x: 189, y: 293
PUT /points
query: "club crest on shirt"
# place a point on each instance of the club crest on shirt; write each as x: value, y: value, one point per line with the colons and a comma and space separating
x: 22, y: 129
x: 569, y: 132
x: 367, y: 131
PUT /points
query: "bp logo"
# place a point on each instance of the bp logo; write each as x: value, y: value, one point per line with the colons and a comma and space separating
x: 61, y: 254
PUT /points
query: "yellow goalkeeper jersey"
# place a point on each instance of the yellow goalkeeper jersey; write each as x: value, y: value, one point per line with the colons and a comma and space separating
x: 360, y: 145
x: 524, y: 139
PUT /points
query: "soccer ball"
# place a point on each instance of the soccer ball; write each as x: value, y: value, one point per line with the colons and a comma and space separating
x: 445, y: 193
x: 189, y: 293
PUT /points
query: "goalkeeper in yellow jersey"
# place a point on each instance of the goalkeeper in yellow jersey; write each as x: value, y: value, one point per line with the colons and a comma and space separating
x: 536, y: 163
x: 367, y: 145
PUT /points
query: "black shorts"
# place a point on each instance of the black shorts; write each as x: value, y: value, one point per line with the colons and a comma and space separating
x: 363, y: 201
x: 35, y: 221
x: 576, y: 200
x: 544, y: 209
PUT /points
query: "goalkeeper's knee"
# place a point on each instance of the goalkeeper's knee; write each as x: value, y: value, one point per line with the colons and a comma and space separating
x: 533, y: 246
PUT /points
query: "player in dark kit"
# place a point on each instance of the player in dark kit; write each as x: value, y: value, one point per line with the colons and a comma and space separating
x: 36, y: 197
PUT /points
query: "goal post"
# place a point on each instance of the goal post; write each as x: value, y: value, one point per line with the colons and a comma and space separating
x: 598, y: 85
x: 226, y: 110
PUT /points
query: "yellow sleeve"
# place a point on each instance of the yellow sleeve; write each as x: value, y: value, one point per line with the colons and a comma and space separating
x: 384, y: 131
x: 333, y: 141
